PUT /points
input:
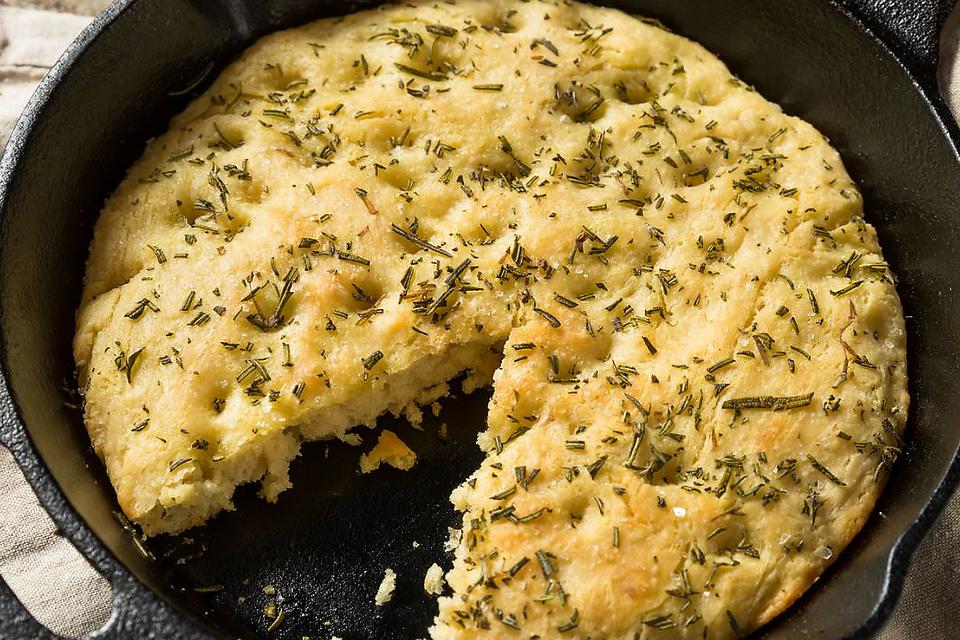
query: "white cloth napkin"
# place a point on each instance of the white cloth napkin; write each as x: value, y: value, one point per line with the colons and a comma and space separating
x: 30, y: 42
x: 67, y: 595
x: 55, y: 583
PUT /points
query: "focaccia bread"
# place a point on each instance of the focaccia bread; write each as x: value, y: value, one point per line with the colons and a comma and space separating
x: 701, y: 351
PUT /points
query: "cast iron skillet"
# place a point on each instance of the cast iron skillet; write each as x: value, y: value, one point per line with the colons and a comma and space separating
x: 325, y: 545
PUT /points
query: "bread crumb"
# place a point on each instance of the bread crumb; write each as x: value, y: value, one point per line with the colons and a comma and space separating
x: 352, y: 439
x: 433, y: 581
x: 390, y: 449
x: 385, y: 591
x: 453, y: 539
x: 413, y: 414
x: 413, y: 411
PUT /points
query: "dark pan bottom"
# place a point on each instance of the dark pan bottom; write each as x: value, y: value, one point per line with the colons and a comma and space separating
x: 388, y: 518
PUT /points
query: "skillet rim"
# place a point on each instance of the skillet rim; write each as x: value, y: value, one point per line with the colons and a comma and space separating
x: 48, y: 490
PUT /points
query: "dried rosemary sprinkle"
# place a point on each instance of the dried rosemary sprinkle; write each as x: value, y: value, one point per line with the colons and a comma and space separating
x: 737, y: 631
x: 549, y: 317
x: 130, y: 363
x: 420, y: 73
x: 420, y: 242
x: 140, y: 308
x: 775, y: 403
x: 441, y: 30
x: 826, y: 472
x: 371, y: 360
x: 847, y: 289
x: 720, y: 365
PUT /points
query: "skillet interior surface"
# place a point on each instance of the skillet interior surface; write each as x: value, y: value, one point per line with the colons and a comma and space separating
x: 324, y: 547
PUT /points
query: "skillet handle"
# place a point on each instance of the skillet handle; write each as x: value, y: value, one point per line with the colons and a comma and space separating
x: 910, y: 28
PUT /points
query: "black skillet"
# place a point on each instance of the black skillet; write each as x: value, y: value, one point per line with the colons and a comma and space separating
x: 325, y: 545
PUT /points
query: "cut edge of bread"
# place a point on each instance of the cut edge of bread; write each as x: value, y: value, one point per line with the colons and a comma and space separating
x: 182, y: 505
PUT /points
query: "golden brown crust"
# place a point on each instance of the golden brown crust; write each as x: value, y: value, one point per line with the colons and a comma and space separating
x: 703, y: 379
